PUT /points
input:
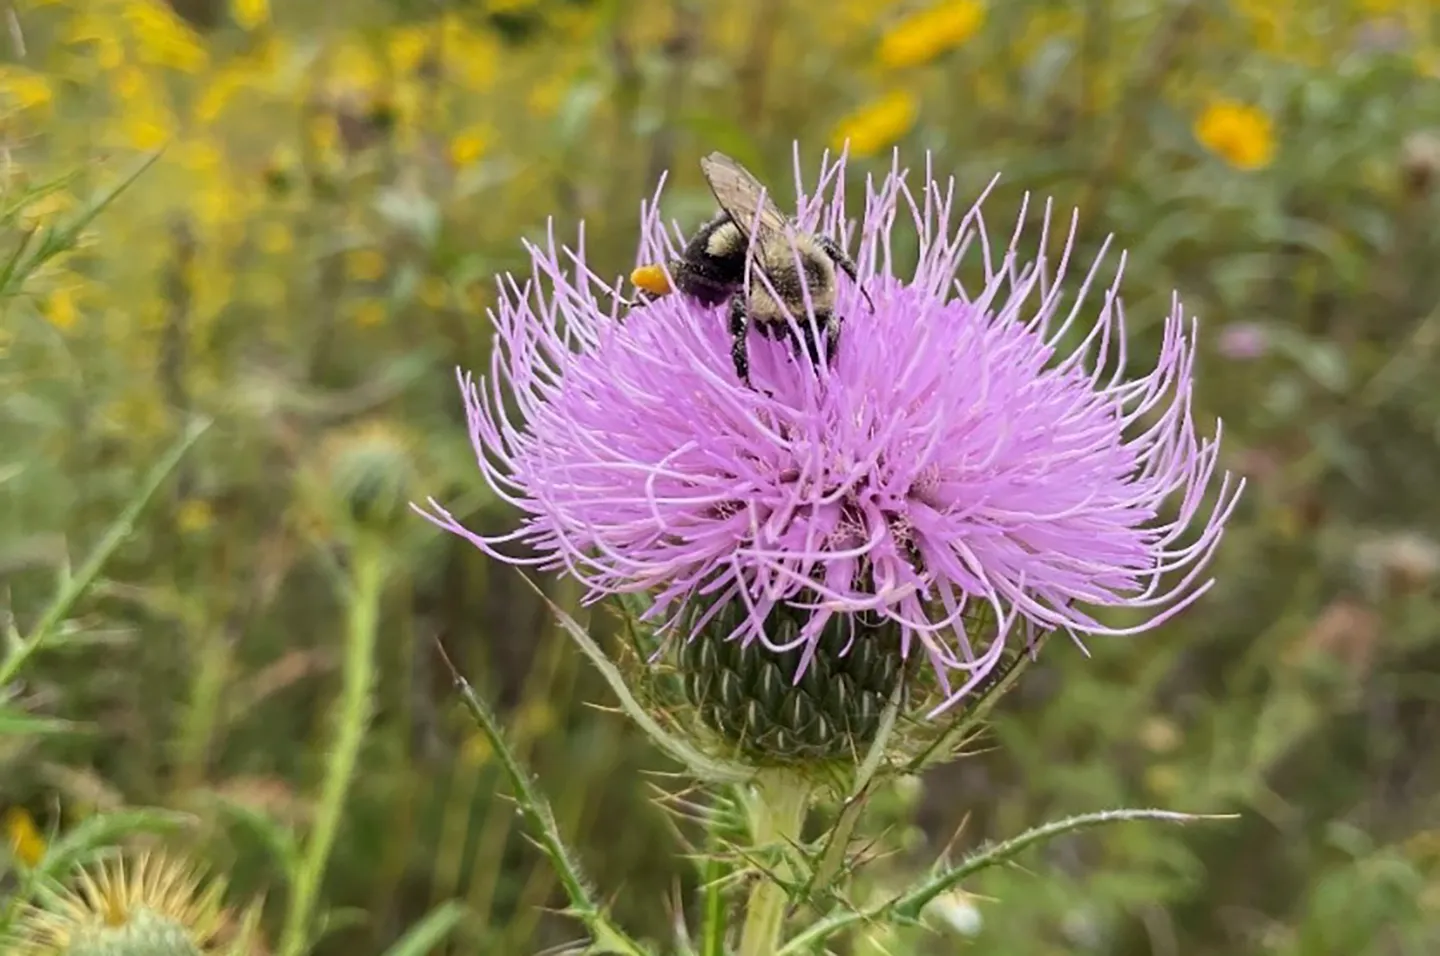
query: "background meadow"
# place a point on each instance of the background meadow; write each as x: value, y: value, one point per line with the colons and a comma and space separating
x: 314, y: 250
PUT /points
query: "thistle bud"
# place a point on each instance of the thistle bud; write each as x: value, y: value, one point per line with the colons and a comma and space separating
x: 149, y: 906
x: 1420, y: 162
x: 370, y: 475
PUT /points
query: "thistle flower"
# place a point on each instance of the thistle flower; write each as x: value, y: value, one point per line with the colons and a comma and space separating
x: 151, y: 906
x: 951, y: 484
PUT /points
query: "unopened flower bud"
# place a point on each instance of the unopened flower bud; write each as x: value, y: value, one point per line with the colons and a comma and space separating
x: 370, y: 475
x: 1420, y: 162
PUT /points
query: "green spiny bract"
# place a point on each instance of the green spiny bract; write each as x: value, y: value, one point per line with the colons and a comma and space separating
x: 143, y: 934
x: 748, y: 694
x: 740, y: 703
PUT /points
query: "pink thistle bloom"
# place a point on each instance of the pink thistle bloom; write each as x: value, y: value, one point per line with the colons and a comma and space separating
x: 949, y: 453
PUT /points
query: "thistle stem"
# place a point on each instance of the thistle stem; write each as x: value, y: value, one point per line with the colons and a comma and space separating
x: 367, y: 580
x: 777, y: 816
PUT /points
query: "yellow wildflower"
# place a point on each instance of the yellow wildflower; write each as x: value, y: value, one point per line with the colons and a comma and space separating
x: 215, y: 96
x: 61, y: 310
x: 249, y: 14
x: 547, y: 95
x: 365, y: 265
x: 40, y: 211
x: 470, y: 56
x: 1241, y: 134
x: 877, y: 124
x: 469, y: 145
x: 146, y: 132
x: 324, y: 133
x: 130, y: 83
x: 25, y: 89
x: 200, y: 156
x: 369, y: 313
x: 925, y: 35
x: 194, y: 516
x: 434, y: 292
x: 475, y: 751
x: 26, y: 842
x: 352, y: 67
x: 163, y: 39
x: 276, y: 239
x: 409, y: 47
x: 109, y: 53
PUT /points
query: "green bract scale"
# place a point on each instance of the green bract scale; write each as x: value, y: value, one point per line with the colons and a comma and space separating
x: 143, y: 934
x: 748, y: 694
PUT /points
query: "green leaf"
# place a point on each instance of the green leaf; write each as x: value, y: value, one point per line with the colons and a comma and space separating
x: 701, y: 765
x: 75, y: 587
x: 430, y: 932
x: 17, y: 723
x: 534, y: 808
x: 81, y: 844
x: 907, y: 907
x: 277, y: 838
x: 57, y: 239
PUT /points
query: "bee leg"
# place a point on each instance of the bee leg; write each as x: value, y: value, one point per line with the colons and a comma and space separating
x: 739, y: 326
x: 845, y: 264
x: 829, y: 332
x: 832, y: 338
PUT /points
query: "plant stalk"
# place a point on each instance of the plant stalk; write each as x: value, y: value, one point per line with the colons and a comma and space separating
x: 356, y: 704
x: 777, y: 816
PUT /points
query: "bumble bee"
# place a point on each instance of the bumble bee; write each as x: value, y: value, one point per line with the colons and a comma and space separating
x: 711, y: 269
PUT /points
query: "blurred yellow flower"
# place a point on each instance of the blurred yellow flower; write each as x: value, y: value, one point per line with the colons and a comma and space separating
x: 471, y: 56
x: 249, y: 14
x: 877, y: 124
x: 25, y: 840
x: 194, y: 516
x: 219, y: 202
x: 469, y: 145
x: 434, y: 292
x: 215, y: 96
x: 1043, y: 26
x: 546, y: 96
x: 200, y: 156
x: 110, y: 53
x: 352, y: 67
x: 410, y: 45
x: 475, y: 751
x: 324, y: 133
x: 1238, y: 133
x: 61, y: 309
x: 42, y: 210
x: 146, y: 132
x: 129, y: 82
x: 924, y: 35
x: 25, y: 89
x: 365, y: 265
x: 276, y: 238
x: 162, y: 38
x: 370, y: 312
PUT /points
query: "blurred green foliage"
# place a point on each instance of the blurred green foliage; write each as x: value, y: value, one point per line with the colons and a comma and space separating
x: 314, y: 251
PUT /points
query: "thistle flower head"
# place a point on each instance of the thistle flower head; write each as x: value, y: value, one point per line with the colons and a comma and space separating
x: 147, y: 906
x: 951, y: 458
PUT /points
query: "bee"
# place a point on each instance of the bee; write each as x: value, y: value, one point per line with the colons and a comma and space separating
x: 711, y: 269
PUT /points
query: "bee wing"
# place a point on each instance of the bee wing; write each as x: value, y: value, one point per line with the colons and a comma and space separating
x: 741, y: 195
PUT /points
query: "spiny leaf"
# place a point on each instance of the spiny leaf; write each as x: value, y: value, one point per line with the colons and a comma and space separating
x: 702, y: 765
x: 907, y: 906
